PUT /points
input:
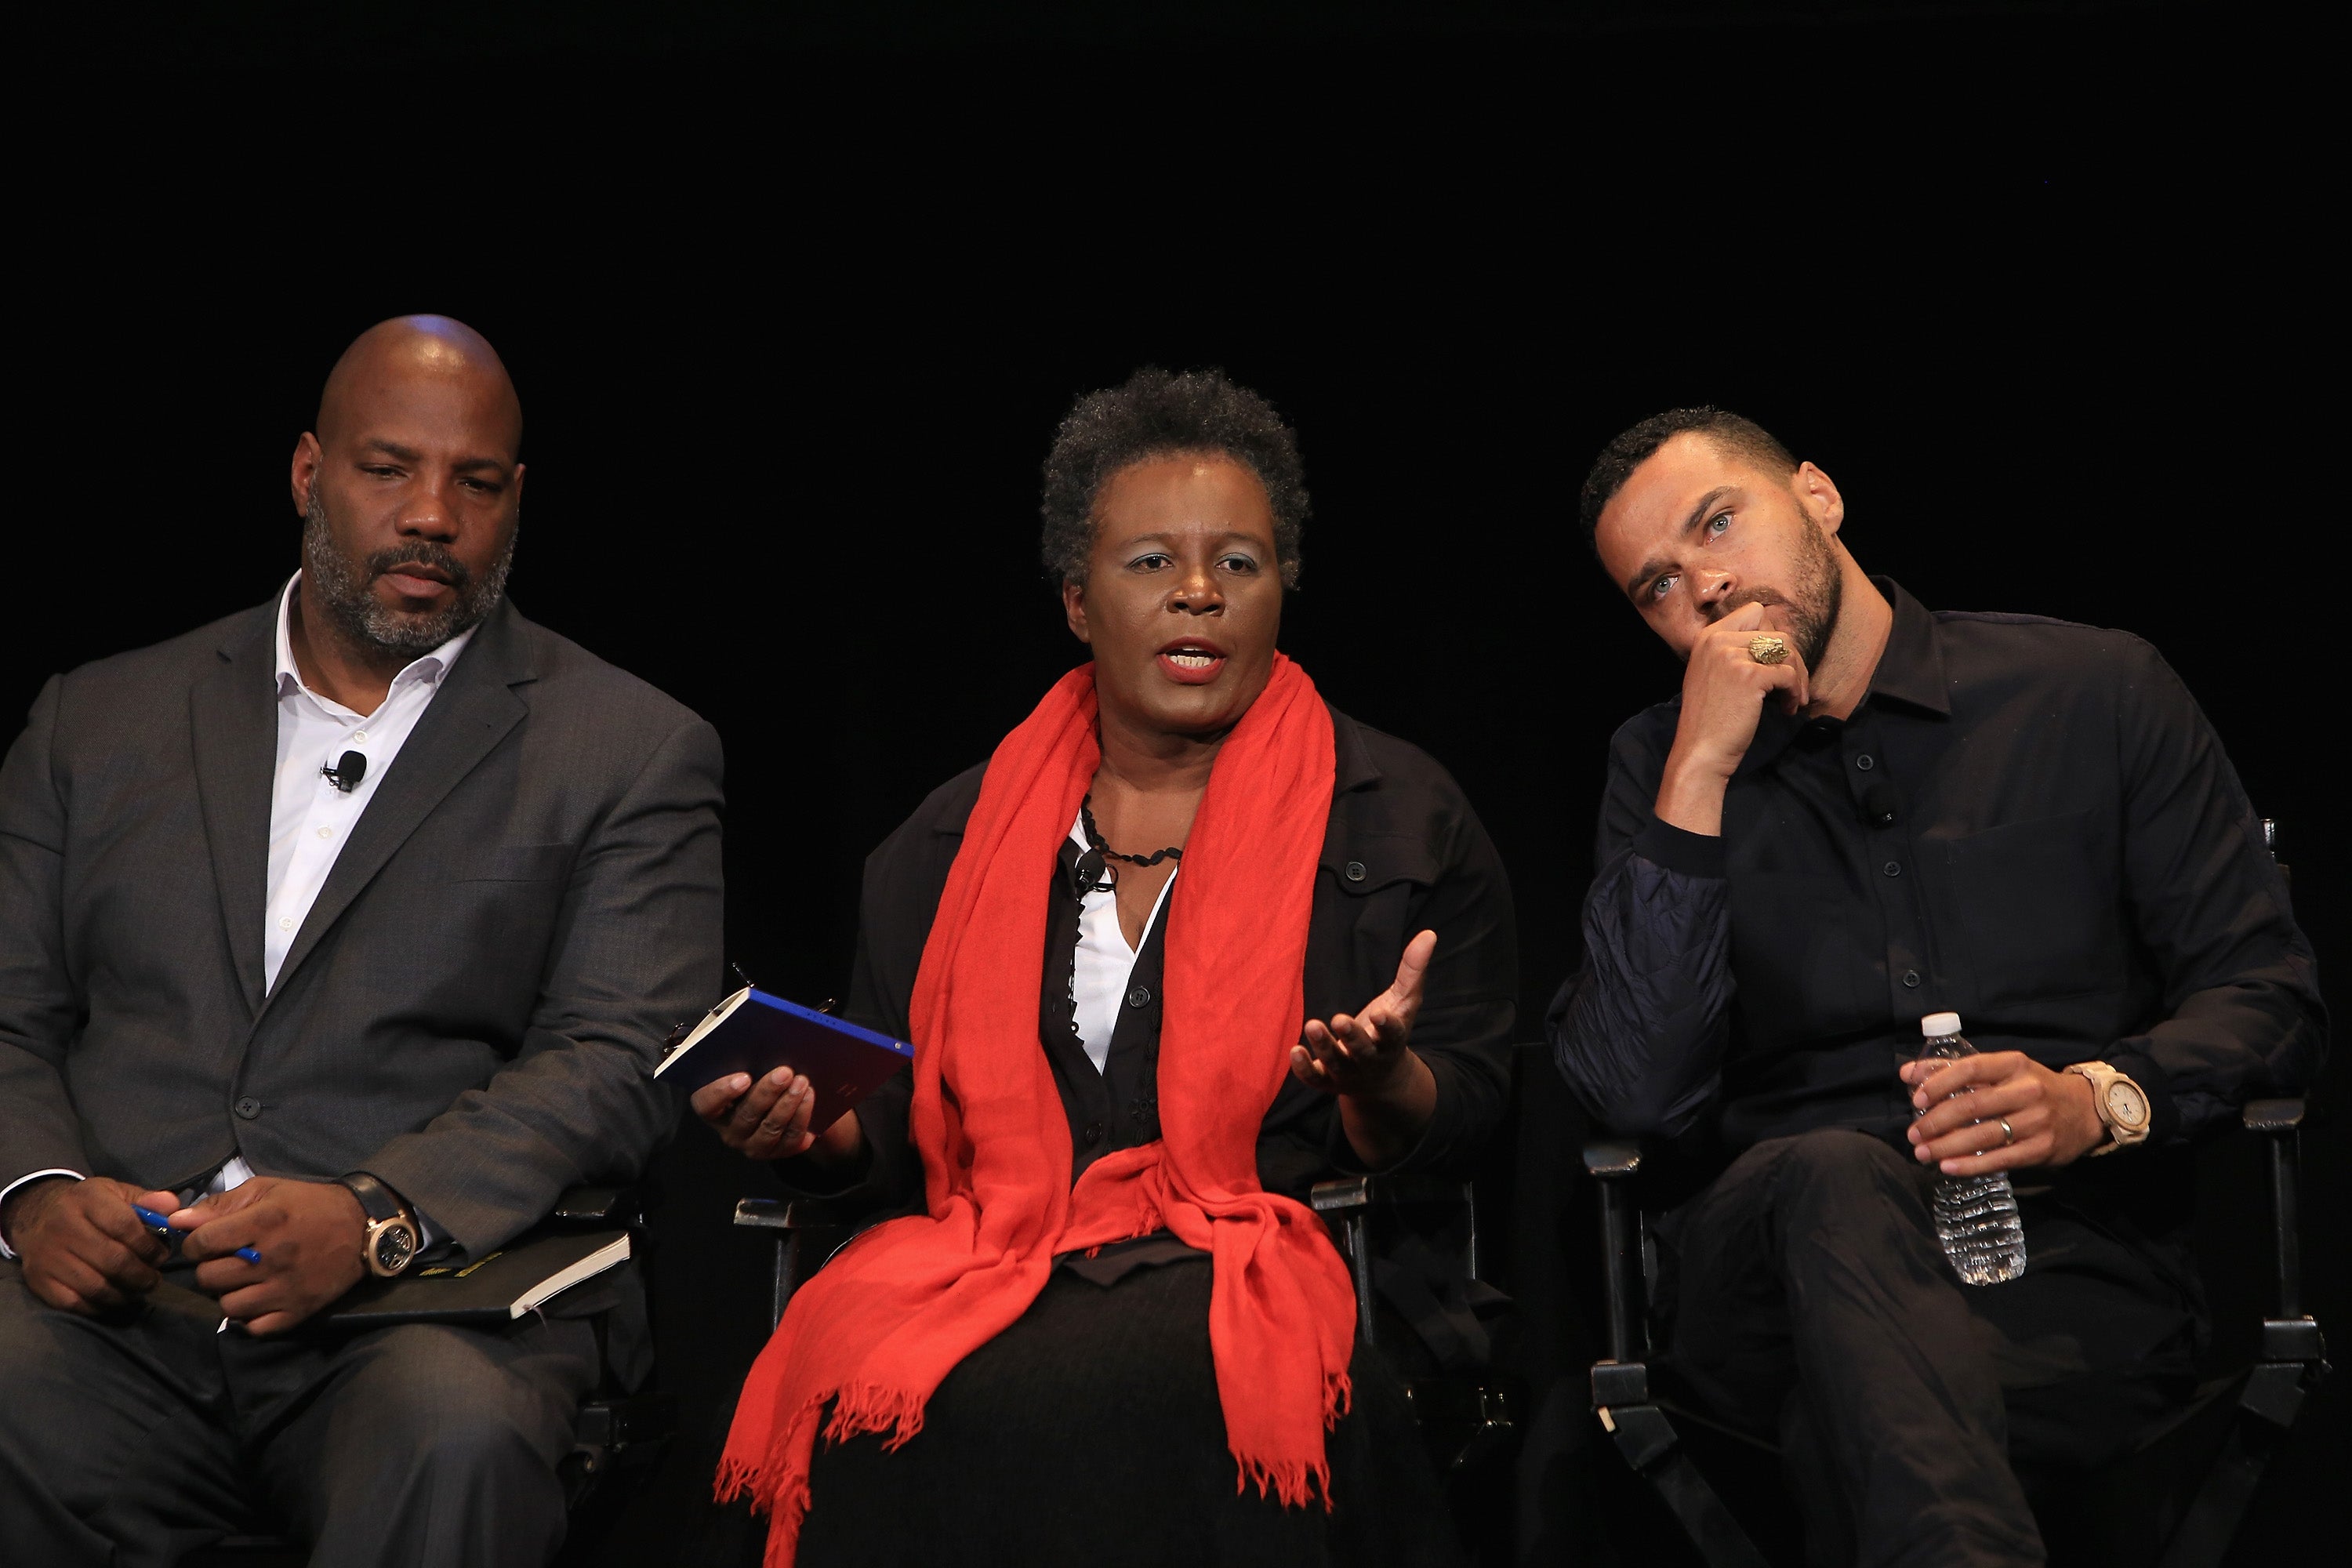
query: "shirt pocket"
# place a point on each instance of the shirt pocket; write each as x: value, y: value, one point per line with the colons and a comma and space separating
x: 1381, y: 879
x: 2036, y: 902
x: 522, y: 863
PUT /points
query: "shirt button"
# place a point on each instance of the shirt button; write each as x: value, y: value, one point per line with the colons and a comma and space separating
x: 1892, y: 870
x: 1866, y: 761
x: 1355, y: 871
x: 1093, y: 1133
x: 1139, y: 996
x: 360, y: 736
x: 326, y: 833
x: 285, y: 924
x: 248, y: 1108
x: 1911, y: 978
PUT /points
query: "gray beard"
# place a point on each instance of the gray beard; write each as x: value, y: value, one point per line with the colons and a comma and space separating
x: 338, y: 588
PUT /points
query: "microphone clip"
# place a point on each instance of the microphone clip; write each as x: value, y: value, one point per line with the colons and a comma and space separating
x: 1879, y: 805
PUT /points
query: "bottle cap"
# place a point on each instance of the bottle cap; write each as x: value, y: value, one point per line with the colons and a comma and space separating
x: 1935, y: 1024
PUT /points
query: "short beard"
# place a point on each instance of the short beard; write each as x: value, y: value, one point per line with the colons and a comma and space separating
x: 1812, y: 610
x: 342, y: 590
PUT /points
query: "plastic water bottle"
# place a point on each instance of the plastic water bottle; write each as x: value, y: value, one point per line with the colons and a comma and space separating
x: 1976, y: 1217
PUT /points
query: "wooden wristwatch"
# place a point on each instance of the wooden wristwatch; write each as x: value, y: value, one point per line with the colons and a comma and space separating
x: 2122, y: 1105
x: 391, y: 1238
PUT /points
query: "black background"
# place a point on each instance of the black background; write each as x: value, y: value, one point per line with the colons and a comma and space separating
x: 794, y: 297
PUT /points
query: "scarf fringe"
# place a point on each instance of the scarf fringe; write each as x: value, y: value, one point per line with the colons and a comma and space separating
x: 735, y: 1479
x: 778, y: 1487
x: 1293, y: 1483
x: 861, y: 1407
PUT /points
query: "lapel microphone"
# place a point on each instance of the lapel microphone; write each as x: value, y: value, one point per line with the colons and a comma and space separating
x: 346, y: 772
x: 1878, y: 803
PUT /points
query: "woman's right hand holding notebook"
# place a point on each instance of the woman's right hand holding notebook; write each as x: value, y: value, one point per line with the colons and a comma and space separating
x: 769, y: 1120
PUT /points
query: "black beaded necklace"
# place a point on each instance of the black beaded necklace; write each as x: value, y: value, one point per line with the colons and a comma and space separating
x: 1092, y: 874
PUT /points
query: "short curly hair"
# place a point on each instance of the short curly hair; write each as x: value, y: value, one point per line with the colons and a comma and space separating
x: 1733, y: 432
x: 1157, y: 413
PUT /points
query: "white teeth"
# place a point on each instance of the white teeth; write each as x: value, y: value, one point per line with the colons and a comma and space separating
x: 1187, y: 658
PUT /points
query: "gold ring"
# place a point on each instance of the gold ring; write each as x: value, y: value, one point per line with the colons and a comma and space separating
x: 1766, y: 648
x: 2008, y: 1133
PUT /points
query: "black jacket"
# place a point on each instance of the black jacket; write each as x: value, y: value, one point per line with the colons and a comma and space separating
x: 1405, y: 852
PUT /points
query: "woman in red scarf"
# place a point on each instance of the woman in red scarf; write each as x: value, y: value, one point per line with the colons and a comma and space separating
x: 1189, y: 941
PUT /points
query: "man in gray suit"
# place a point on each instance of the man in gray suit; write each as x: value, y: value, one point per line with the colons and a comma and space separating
x: 344, y: 929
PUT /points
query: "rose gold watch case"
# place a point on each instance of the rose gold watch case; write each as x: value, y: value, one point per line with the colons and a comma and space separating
x: 372, y: 1252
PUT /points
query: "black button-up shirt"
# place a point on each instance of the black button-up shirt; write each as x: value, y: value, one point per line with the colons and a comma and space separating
x: 2025, y: 822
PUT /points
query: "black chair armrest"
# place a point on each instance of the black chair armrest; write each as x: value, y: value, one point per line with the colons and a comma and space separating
x: 1608, y: 1158
x: 2273, y: 1117
x: 1350, y: 1192
x: 1348, y: 1202
x: 2280, y: 1122
x: 1612, y: 1163
x: 793, y: 1214
x: 784, y: 1221
x: 598, y: 1208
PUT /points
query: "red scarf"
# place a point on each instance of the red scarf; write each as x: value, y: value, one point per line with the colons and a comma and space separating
x: 893, y: 1313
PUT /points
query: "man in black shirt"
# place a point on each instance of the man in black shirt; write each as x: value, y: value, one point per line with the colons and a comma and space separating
x: 1859, y: 813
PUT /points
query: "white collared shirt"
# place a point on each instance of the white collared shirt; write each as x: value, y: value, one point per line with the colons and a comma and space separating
x: 1099, y: 975
x: 310, y: 819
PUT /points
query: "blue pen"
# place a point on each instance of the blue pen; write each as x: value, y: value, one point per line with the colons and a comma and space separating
x: 163, y: 1227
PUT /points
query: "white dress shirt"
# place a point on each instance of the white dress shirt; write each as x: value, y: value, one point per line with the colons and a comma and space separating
x: 1098, y: 977
x: 309, y: 817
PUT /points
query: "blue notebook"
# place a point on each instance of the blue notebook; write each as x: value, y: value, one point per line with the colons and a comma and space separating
x: 752, y: 1032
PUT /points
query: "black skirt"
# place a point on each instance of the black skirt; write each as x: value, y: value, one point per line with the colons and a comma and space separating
x: 1089, y: 1432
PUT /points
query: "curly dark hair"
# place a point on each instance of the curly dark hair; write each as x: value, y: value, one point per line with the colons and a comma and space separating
x: 1157, y: 413
x: 1734, y: 433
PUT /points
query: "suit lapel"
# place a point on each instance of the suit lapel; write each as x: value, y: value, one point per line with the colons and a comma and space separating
x: 467, y: 719
x: 233, y: 711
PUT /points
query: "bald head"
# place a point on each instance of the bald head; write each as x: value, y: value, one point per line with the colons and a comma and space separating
x: 410, y: 490
x: 431, y: 367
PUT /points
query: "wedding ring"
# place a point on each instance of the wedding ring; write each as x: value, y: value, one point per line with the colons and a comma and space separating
x: 2008, y: 1133
x: 1766, y: 648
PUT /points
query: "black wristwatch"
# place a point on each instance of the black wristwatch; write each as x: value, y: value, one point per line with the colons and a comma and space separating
x: 391, y: 1238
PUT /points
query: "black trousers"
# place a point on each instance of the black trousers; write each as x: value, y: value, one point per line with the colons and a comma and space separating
x: 1808, y: 1303
x: 132, y: 1441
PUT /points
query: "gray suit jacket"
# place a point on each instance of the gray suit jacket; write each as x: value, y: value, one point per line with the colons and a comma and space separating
x: 473, y: 1008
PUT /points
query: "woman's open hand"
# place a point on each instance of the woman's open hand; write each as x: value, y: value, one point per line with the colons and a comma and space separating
x: 1368, y: 1052
x: 1386, y: 1092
